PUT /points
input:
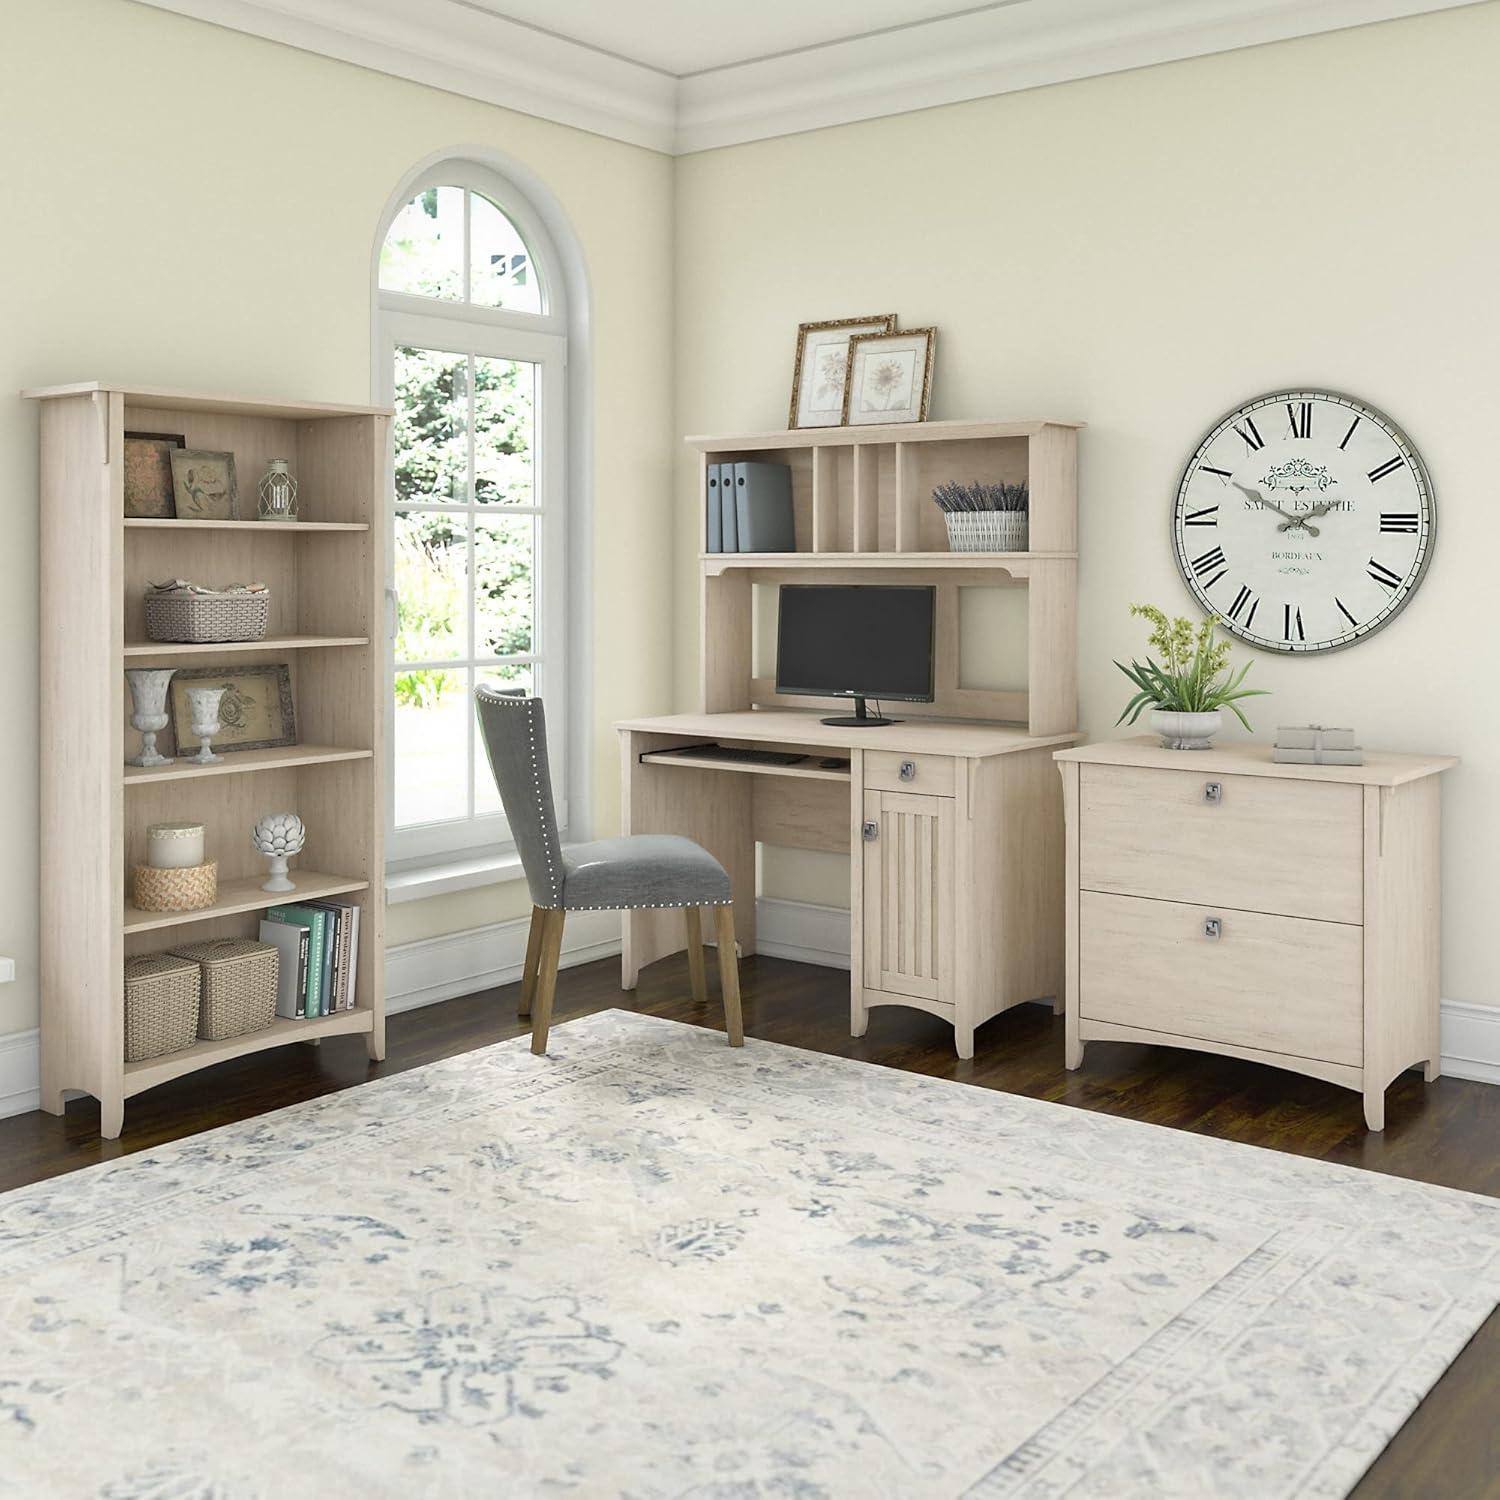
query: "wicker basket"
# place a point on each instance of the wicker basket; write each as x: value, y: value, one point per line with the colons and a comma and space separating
x: 184, y: 889
x: 239, y: 985
x: 207, y: 617
x: 161, y: 1005
x: 987, y: 530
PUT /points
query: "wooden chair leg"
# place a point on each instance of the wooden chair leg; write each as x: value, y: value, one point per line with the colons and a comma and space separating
x: 533, y: 957
x: 729, y: 975
x: 546, y: 979
x: 693, y: 917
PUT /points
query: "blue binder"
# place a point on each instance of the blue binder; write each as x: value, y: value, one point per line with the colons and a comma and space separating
x: 715, y: 517
x: 728, y: 529
x: 763, y: 508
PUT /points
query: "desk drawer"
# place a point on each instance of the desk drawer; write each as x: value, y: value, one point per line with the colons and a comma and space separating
x: 931, y: 775
x: 1259, y: 843
x: 1277, y: 984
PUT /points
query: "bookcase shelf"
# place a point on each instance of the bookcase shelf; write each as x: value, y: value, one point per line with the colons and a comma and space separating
x: 326, y: 577
x: 237, y: 896
x: 862, y: 511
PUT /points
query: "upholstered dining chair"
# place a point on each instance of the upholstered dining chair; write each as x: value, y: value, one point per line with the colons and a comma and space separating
x: 620, y: 874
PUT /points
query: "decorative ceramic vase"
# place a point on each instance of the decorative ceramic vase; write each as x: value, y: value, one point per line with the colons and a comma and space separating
x: 1186, y: 731
x: 279, y: 836
x: 203, y: 714
x: 148, y: 699
x: 278, y: 493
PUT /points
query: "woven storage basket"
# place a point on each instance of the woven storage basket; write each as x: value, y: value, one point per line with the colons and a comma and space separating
x: 185, y: 889
x: 207, y: 617
x: 239, y: 985
x: 987, y: 530
x: 161, y: 1005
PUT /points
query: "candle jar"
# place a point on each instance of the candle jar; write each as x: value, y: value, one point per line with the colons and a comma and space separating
x: 174, y: 846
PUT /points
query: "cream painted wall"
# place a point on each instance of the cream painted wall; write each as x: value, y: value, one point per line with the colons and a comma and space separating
x: 187, y: 206
x: 1143, y: 252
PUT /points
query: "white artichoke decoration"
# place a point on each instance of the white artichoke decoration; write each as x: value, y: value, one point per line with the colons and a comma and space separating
x: 279, y: 834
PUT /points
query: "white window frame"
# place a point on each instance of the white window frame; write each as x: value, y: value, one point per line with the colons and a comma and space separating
x: 408, y: 320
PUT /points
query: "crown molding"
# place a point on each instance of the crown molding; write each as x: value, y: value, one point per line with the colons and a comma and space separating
x: 469, y: 50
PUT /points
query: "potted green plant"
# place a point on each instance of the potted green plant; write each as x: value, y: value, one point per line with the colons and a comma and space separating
x: 1189, y: 687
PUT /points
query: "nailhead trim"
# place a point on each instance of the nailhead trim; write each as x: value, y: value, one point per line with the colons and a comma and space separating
x: 554, y: 885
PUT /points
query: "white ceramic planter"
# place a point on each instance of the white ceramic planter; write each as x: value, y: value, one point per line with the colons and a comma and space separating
x: 1186, y: 731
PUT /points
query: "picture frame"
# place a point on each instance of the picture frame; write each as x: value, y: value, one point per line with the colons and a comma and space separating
x: 149, y: 493
x: 257, y: 713
x: 204, y: 487
x: 822, y: 365
x: 889, y: 377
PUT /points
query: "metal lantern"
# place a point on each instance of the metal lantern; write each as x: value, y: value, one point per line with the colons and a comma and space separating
x: 278, y: 493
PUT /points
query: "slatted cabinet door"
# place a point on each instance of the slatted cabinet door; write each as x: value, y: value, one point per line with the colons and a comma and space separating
x: 908, y: 894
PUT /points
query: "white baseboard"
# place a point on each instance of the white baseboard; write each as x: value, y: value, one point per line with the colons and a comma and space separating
x: 443, y: 968
x: 20, y: 1072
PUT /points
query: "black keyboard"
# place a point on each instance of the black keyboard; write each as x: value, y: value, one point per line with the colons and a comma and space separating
x: 722, y: 752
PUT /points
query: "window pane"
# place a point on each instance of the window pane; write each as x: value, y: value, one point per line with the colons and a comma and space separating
x: 431, y: 427
x: 504, y: 555
x: 518, y: 675
x: 500, y: 270
x: 424, y: 251
x: 504, y: 420
x: 432, y: 584
x: 432, y: 746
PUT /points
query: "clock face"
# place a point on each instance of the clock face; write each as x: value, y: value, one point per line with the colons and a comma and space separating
x: 1304, y: 521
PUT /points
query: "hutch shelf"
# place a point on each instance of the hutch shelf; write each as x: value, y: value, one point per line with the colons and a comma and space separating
x: 326, y: 575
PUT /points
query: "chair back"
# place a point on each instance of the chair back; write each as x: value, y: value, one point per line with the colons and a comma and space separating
x: 515, y: 736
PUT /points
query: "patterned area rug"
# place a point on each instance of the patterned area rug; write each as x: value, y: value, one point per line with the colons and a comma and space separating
x: 649, y: 1266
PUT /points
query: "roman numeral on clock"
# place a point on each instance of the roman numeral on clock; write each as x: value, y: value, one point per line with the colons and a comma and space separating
x: 1241, y: 599
x: 1291, y: 623
x: 1349, y: 434
x: 1388, y: 467
x: 1383, y: 575
x: 1209, y: 516
x: 1301, y: 418
x: 1398, y: 520
x: 1223, y: 474
x: 1251, y: 434
x: 1344, y: 610
x: 1210, y: 561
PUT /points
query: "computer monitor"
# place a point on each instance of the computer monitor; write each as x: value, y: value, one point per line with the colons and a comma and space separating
x: 855, y: 641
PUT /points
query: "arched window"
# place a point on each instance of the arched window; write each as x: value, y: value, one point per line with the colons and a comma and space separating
x: 471, y: 348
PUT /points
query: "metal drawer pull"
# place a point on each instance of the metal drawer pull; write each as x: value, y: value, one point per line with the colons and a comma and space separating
x: 872, y: 832
x: 1213, y: 928
x: 1213, y: 791
x: 908, y: 770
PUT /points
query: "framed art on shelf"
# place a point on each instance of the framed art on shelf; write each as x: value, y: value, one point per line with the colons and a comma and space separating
x: 889, y: 377
x: 203, y: 485
x: 148, y: 473
x: 822, y: 363
x: 256, y: 712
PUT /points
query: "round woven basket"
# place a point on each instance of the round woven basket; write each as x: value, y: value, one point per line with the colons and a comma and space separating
x: 186, y: 889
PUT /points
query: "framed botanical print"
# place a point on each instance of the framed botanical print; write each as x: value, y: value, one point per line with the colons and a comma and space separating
x: 822, y: 362
x: 203, y: 485
x: 148, y: 473
x: 889, y: 377
x: 256, y: 712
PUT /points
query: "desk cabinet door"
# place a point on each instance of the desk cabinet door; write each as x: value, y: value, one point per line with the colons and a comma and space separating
x: 908, y: 900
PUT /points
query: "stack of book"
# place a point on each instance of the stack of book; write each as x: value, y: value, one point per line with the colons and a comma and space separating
x: 749, y: 508
x: 1315, y: 745
x: 319, y: 943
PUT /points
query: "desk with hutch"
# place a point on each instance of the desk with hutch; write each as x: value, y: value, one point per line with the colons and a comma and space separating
x: 954, y: 815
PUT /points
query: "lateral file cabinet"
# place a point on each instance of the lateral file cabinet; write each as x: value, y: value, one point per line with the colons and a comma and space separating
x: 1286, y: 914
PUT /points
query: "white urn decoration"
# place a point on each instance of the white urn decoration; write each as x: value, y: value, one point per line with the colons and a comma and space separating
x: 148, y: 701
x: 203, y: 714
x: 279, y: 836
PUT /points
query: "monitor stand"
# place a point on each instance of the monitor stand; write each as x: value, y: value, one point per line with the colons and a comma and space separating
x: 859, y: 719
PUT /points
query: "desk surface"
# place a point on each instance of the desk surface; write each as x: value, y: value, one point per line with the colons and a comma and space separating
x: 914, y: 735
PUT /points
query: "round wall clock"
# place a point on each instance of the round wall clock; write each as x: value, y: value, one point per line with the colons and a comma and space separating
x: 1304, y: 521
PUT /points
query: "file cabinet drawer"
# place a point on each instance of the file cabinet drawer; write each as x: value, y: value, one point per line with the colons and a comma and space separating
x: 1294, y: 848
x: 890, y: 771
x: 1276, y: 984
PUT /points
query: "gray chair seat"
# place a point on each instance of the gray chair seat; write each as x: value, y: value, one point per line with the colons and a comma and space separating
x: 644, y: 869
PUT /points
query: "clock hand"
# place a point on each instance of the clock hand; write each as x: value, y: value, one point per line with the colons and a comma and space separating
x: 1320, y: 509
x: 1289, y: 520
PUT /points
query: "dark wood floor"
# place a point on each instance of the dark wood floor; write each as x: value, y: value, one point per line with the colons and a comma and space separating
x: 1447, y: 1133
